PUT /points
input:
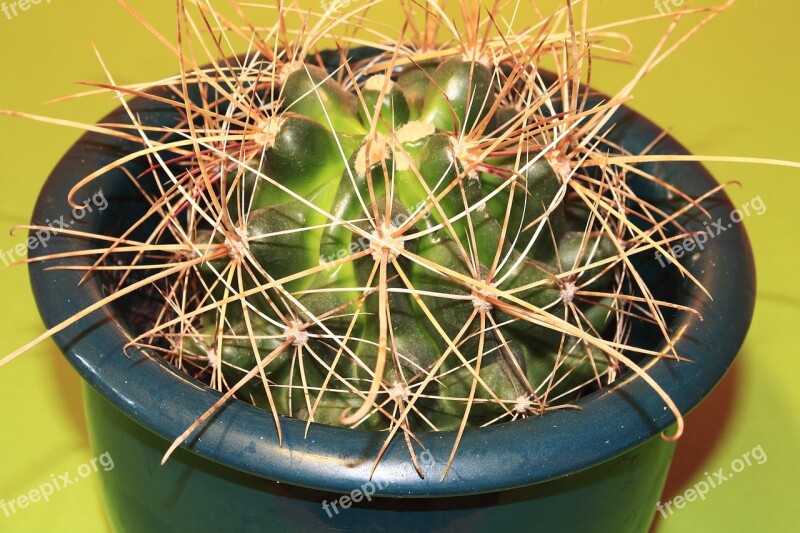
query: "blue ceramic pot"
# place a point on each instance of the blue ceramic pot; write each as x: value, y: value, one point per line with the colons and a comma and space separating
x: 598, y: 469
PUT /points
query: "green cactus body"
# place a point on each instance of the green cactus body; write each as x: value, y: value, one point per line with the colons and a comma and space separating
x: 413, y: 80
x: 353, y: 191
x: 391, y: 105
x: 459, y: 95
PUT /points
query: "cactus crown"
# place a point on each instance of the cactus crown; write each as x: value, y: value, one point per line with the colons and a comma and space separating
x: 410, y: 241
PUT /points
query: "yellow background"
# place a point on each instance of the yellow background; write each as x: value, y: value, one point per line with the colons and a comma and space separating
x: 730, y: 91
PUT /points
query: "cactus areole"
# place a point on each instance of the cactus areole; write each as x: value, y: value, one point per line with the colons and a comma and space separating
x: 414, y: 249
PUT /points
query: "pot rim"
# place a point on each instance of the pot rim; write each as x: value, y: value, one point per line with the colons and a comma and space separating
x: 503, y: 456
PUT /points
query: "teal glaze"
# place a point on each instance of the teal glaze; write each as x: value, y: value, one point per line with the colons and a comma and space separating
x: 190, y: 493
x: 597, y: 469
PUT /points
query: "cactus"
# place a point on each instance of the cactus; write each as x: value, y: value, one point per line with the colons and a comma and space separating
x: 403, y: 247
